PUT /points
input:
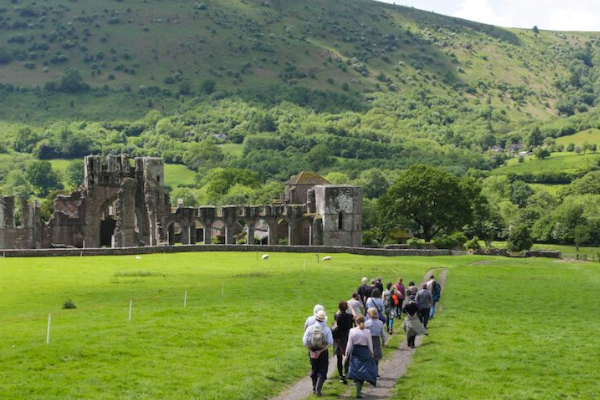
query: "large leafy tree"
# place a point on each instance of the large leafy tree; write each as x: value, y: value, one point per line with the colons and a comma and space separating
x: 74, y: 173
x: 426, y: 200
x: 42, y: 177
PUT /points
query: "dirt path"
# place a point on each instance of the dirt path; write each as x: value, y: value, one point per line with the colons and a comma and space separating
x: 390, y: 370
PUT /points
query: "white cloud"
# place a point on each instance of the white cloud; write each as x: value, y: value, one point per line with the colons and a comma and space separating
x: 562, y: 15
x: 572, y: 20
x: 480, y: 11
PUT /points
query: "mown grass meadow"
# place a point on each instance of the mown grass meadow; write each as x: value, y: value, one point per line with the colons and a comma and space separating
x: 511, y: 328
x: 243, y: 345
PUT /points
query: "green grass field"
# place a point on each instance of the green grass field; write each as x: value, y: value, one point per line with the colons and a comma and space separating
x: 209, y: 350
x: 175, y: 174
x: 558, y: 162
x: 178, y: 175
x: 507, y: 330
x: 591, y: 136
x: 512, y: 329
x: 232, y: 149
x: 553, y: 189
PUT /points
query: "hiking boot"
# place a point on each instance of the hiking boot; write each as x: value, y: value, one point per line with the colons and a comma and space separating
x: 320, y: 382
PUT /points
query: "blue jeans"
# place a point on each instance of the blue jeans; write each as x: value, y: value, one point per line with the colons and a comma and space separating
x: 432, y: 310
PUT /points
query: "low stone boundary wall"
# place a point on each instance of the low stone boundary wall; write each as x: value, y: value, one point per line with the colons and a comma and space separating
x: 74, y: 252
x: 543, y: 253
x: 528, y: 254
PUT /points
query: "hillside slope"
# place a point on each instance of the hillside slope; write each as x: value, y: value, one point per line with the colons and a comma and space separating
x: 354, y: 45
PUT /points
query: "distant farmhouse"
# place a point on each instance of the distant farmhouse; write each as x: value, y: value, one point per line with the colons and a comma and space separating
x: 123, y: 203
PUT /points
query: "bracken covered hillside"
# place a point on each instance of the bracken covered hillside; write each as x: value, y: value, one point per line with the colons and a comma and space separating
x: 353, y: 45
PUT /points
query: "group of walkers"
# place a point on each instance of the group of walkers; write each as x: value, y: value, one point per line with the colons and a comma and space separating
x: 361, y: 327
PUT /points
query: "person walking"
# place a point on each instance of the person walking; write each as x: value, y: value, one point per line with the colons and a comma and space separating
x: 341, y: 331
x: 370, y: 291
x: 317, y: 339
x: 379, y: 284
x: 424, y: 301
x: 363, y: 289
x: 430, y: 283
x: 411, y: 290
x: 375, y: 326
x: 356, y: 306
x: 401, y: 292
x: 412, y: 324
x: 436, y: 293
x: 375, y: 302
x: 312, y: 319
x: 390, y: 302
x: 360, y: 353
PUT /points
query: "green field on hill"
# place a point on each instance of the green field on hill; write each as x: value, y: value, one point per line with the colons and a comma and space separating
x: 591, y: 136
x: 557, y: 162
x: 497, y: 338
x: 175, y: 174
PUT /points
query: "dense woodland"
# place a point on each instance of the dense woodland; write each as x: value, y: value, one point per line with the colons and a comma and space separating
x: 357, y: 97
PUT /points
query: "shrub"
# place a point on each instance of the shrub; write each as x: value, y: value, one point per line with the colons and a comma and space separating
x: 473, y: 244
x: 519, y: 239
x: 445, y: 242
x: 414, y: 242
x: 459, y: 238
x: 69, y: 305
x: 5, y: 57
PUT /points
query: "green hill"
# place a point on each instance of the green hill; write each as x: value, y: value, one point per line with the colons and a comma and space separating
x: 264, y: 89
x: 355, y: 45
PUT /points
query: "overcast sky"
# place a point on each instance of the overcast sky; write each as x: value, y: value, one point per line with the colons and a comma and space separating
x: 563, y: 15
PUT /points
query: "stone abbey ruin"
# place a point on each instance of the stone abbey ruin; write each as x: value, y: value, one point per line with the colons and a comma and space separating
x: 123, y: 203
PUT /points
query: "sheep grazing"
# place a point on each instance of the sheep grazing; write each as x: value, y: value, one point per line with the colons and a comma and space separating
x: 265, y: 257
x: 327, y: 258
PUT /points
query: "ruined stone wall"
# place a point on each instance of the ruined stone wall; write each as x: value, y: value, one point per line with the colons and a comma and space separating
x: 123, y: 203
x: 340, y: 208
x: 18, y: 234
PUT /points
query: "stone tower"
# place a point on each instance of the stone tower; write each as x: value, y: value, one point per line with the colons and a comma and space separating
x: 340, y: 210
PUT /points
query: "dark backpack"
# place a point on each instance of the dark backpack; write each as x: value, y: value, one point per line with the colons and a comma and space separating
x: 437, y: 291
x: 316, y: 338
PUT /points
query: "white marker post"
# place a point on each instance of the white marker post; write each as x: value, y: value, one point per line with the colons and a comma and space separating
x: 48, y: 330
x: 130, y: 308
x: 185, y: 299
x: 222, y: 289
